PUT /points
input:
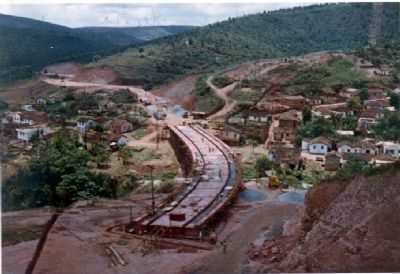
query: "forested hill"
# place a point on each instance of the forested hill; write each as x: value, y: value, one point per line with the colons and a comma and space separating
x: 26, y: 45
x: 268, y: 34
x: 128, y: 35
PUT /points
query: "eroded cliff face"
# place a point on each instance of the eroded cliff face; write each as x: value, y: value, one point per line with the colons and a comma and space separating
x: 352, y: 227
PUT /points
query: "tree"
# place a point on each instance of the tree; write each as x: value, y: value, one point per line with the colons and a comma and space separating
x: 125, y: 153
x: 100, y: 153
x: 355, y: 104
x: 317, y: 127
x: 354, y: 166
x: 394, y: 100
x: 363, y: 94
x: 262, y: 164
x: 307, y: 114
x: 253, y: 143
x: 388, y: 127
x: 57, y: 175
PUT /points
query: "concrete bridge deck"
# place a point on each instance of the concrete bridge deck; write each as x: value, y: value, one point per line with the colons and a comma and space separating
x: 214, y: 184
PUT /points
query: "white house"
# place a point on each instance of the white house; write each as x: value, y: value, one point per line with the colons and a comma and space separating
x: 396, y: 90
x: 390, y: 148
x: 345, y: 132
x: 28, y: 108
x: 319, y: 145
x: 26, y: 134
x: 363, y: 147
x: 83, y: 124
x: 28, y: 118
x: 305, y: 144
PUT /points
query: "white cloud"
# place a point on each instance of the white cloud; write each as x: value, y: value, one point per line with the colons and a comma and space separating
x: 79, y: 15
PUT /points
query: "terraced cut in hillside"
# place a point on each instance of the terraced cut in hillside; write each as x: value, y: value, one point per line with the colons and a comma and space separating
x: 265, y: 35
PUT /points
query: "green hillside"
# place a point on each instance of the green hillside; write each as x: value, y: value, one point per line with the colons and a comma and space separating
x: 264, y: 35
x: 128, y: 35
x: 27, y: 45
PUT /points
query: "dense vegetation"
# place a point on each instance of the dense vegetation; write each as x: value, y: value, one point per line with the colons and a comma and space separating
x: 330, y: 77
x: 57, y: 175
x: 205, y: 98
x: 315, y: 128
x: 222, y: 81
x: 388, y: 127
x: 268, y: 34
x: 128, y: 35
x: 27, y: 45
x: 388, y: 54
x: 3, y: 105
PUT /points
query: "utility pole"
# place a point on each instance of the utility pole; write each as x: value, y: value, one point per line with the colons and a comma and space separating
x: 130, y: 215
x: 152, y: 191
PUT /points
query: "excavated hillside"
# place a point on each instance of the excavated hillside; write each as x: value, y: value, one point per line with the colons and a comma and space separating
x: 346, y: 227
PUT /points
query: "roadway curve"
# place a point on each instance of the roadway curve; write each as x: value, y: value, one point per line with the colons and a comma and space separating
x: 223, y: 93
x: 171, y: 119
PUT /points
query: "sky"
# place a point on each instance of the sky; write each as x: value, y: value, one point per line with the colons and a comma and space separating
x: 80, y: 15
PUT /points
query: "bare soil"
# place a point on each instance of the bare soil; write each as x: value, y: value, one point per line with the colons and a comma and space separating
x: 67, y: 68
x: 179, y: 92
x: 98, y: 76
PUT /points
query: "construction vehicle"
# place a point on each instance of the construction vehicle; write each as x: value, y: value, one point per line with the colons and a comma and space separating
x: 273, y: 181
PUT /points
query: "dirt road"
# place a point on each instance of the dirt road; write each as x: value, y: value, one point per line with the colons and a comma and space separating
x: 223, y: 93
x: 172, y: 118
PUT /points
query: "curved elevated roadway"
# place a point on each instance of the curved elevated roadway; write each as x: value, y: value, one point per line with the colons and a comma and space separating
x: 214, y: 184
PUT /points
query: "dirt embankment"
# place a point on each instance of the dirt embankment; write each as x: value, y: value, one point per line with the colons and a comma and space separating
x: 179, y: 92
x: 98, y: 76
x: 67, y: 68
x: 351, y: 227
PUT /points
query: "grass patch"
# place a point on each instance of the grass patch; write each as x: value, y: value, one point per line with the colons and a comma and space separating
x: 13, y: 236
x: 222, y: 81
x: 144, y: 155
x: 249, y: 172
x: 333, y: 75
x: 246, y: 96
x: 138, y: 133
x: 205, y: 98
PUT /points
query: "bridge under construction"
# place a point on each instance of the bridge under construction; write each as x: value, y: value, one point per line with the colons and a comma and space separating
x: 215, y: 181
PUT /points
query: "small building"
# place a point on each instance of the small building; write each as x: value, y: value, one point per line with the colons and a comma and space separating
x: 368, y: 118
x: 26, y: 134
x: 27, y: 108
x: 199, y: 115
x: 41, y: 101
x: 320, y: 145
x: 332, y: 161
x: 366, y: 158
x: 381, y: 160
x: 348, y: 93
x: 379, y: 104
x: 160, y: 115
x: 376, y: 93
x: 396, y: 91
x: 362, y: 147
x: 305, y: 144
x: 119, y: 126
x: 284, y: 153
x: 117, y: 139
x: 345, y: 132
x: 297, y: 102
x: 231, y: 135
x: 389, y: 148
x: 27, y: 117
x: 83, y: 124
x: 289, y: 119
